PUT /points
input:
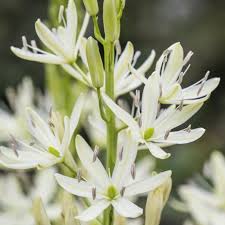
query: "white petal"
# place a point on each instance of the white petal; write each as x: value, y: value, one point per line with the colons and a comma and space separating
x: 157, y: 151
x: 173, y: 65
x: 147, y: 184
x: 50, y: 39
x: 123, y: 165
x: 82, y: 50
x: 181, y: 137
x: 66, y: 136
x: 71, y: 26
x: 209, y: 86
x: 176, y: 118
x: 82, y: 188
x: 125, y: 59
x: 76, y: 113
x: 95, y: 210
x: 42, y: 58
x: 147, y: 64
x: 126, y: 208
x: 121, y: 114
x: 95, y: 169
x: 150, y: 101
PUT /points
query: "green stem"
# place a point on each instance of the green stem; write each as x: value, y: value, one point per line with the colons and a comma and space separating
x: 97, y: 31
x: 108, y: 216
x: 111, y: 125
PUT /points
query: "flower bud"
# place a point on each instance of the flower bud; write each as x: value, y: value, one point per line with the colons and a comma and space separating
x: 95, y: 63
x: 110, y: 20
x: 156, y: 202
x: 39, y: 213
x: 91, y: 7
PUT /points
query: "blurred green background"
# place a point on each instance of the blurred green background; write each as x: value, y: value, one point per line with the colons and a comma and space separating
x: 149, y: 24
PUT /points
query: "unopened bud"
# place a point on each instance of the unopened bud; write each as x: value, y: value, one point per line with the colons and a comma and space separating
x: 91, y: 6
x: 95, y: 63
x: 110, y: 20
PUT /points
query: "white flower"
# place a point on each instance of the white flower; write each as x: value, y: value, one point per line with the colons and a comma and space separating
x: 107, y: 190
x: 170, y: 66
x: 16, y: 205
x: 206, y: 206
x: 62, y: 42
x: 51, y: 141
x: 154, y: 128
x: 124, y: 80
x: 25, y: 96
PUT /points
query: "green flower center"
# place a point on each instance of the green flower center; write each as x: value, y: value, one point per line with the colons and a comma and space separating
x: 111, y: 192
x: 148, y: 133
x: 53, y: 151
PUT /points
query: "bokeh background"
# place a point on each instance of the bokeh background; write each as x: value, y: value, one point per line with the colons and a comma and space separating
x: 149, y: 24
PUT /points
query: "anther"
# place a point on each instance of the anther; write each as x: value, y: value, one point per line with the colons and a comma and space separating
x: 160, y: 90
x: 121, y: 154
x: 24, y: 41
x: 167, y: 134
x: 187, y: 58
x: 188, y: 129
x: 133, y: 171
x: 14, y: 145
x: 34, y: 46
x: 95, y: 153
x: 93, y: 191
x: 50, y: 112
x: 180, y: 107
x: 32, y: 144
x: 180, y: 78
x: 51, y: 124
x: 122, y: 191
x: 79, y: 175
x: 203, y: 82
x: 33, y: 123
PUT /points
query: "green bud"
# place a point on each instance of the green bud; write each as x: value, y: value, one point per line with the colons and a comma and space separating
x: 148, y: 133
x: 91, y: 7
x: 39, y: 213
x: 95, y: 63
x: 110, y: 21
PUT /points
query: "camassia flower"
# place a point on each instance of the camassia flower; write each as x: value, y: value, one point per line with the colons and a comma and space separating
x: 152, y: 127
x: 51, y: 141
x: 205, y: 204
x: 108, y: 190
x: 170, y: 67
x: 62, y: 42
x: 124, y: 80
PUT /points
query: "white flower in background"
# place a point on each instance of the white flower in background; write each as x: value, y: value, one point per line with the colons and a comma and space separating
x: 170, y: 67
x: 51, y: 140
x: 16, y: 205
x: 124, y: 80
x: 63, y: 41
x: 153, y: 128
x: 109, y: 190
x: 206, y: 205
x: 24, y: 96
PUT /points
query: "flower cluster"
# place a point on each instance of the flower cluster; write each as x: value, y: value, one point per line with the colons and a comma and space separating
x: 108, y: 191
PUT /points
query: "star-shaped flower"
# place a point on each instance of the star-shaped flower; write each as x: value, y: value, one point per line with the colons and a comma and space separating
x: 109, y: 190
x: 153, y: 127
x: 51, y: 140
x: 63, y: 42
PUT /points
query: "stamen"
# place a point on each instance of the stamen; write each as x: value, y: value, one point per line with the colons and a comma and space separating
x: 165, y: 60
x: 32, y: 144
x: 203, y: 82
x: 188, y: 57
x: 95, y: 153
x: 167, y: 134
x: 122, y: 191
x: 121, y: 154
x: 180, y: 78
x: 133, y: 171
x: 50, y: 112
x: 188, y: 129
x: 34, y: 46
x: 24, y: 41
x: 93, y: 193
x: 32, y: 122
x: 136, y: 56
x: 136, y: 97
x: 180, y: 107
x: 51, y: 124
x: 160, y: 90
x: 158, y: 109
x: 79, y: 175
